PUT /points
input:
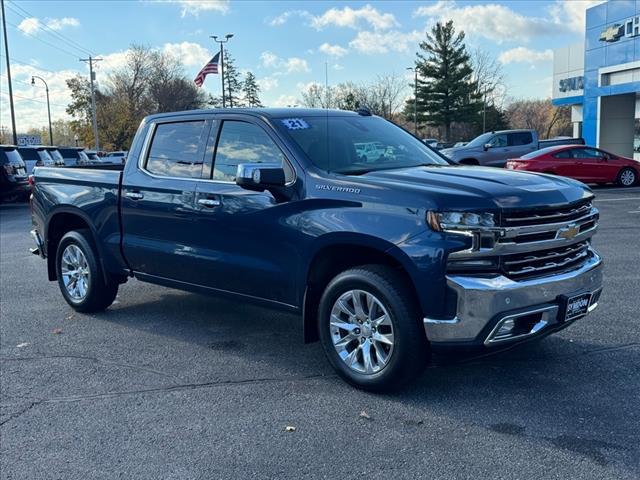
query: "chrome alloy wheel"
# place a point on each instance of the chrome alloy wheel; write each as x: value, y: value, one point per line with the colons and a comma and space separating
x: 75, y: 272
x: 628, y: 178
x: 361, y: 331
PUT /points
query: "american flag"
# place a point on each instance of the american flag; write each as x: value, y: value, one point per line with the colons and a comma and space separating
x: 211, y: 67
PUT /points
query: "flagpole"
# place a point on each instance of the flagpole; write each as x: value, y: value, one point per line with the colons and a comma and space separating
x: 221, y: 42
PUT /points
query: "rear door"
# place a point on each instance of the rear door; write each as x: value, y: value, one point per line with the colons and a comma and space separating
x: 520, y: 143
x: 241, y: 243
x: 158, y: 207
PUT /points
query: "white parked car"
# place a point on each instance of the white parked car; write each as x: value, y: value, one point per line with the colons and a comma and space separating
x: 116, y: 157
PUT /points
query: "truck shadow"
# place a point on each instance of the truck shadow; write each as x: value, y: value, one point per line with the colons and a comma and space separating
x: 553, y: 390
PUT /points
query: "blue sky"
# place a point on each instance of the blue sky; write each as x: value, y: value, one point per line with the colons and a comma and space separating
x: 286, y: 44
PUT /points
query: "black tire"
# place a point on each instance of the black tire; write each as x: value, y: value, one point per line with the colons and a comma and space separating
x: 411, y: 348
x: 99, y: 294
x: 625, y: 174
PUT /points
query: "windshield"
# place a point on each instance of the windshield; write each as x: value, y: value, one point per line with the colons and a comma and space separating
x: 83, y: 156
x: 481, y: 140
x: 56, y: 155
x: 354, y: 145
x: 45, y: 157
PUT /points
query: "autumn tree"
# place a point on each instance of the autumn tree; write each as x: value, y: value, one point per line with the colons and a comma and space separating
x: 540, y: 115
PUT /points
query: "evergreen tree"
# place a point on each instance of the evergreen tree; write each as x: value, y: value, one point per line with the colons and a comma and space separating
x: 232, y: 82
x: 446, y: 91
x: 251, y: 91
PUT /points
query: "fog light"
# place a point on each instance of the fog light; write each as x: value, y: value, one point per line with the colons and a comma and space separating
x: 506, y: 328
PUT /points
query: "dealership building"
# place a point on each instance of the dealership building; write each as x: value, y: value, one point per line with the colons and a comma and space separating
x: 600, y: 78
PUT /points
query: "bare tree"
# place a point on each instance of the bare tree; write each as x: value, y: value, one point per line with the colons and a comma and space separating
x: 540, y: 115
x: 489, y: 77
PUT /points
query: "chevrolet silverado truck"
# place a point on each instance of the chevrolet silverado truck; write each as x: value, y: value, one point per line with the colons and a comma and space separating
x: 493, y: 149
x: 385, y: 259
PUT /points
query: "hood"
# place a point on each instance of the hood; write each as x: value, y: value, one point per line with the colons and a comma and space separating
x: 474, y: 188
x: 452, y: 152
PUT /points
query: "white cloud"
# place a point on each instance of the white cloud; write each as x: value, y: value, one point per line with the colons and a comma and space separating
x: 284, y: 17
x: 284, y: 101
x: 525, y: 55
x: 348, y: 17
x: 195, y: 7
x: 572, y: 14
x: 189, y: 53
x: 500, y: 23
x: 29, y: 26
x: 60, y: 23
x: 492, y: 21
x: 268, y: 83
x: 285, y: 66
x: 383, y: 42
x: 333, y: 50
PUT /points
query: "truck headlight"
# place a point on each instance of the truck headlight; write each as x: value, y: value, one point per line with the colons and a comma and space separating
x: 443, y: 221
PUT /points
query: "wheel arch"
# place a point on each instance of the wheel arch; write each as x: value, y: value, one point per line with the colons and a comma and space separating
x: 60, y: 222
x: 342, y: 253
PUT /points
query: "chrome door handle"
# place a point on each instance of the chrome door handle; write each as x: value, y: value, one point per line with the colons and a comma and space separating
x: 134, y: 195
x: 209, y: 202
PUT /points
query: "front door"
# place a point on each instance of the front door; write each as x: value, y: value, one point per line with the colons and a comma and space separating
x: 158, y: 199
x: 243, y: 246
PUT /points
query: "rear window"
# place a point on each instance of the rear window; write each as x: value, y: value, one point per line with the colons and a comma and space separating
x: 537, y: 153
x: 29, y: 153
x: 55, y: 154
x: 520, y: 138
x: 11, y: 157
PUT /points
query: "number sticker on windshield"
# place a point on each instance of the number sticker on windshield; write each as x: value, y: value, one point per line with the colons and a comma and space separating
x: 295, y: 123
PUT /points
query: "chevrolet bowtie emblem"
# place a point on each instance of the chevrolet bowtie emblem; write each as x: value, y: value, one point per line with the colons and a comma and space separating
x: 612, y: 34
x: 568, y: 232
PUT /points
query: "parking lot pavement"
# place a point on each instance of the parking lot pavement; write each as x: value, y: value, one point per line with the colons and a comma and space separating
x: 167, y: 384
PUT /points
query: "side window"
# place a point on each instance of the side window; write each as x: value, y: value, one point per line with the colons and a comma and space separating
x: 242, y: 142
x: 587, y: 153
x: 520, y: 138
x: 177, y: 149
x: 499, y: 141
x: 564, y: 154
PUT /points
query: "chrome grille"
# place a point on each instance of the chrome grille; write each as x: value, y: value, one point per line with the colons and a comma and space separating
x: 545, y: 262
x: 547, y: 215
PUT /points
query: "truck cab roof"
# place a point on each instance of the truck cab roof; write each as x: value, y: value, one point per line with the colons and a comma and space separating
x: 263, y: 112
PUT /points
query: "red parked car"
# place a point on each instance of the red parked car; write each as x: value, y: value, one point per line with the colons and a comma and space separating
x: 587, y: 164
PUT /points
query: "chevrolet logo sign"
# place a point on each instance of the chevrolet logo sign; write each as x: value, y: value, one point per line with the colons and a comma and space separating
x: 612, y: 34
x: 568, y: 232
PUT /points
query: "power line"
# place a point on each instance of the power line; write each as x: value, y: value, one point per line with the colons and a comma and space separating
x: 45, y: 28
x: 43, y: 41
x: 38, y: 101
x: 22, y: 62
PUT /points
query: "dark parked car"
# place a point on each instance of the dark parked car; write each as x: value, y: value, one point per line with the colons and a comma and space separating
x: 587, y: 164
x: 55, y: 155
x: 74, y: 156
x: 13, y: 175
x: 385, y: 259
x: 35, y: 156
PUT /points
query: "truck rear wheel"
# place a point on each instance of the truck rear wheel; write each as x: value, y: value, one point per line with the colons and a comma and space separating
x: 370, y: 328
x: 80, y: 274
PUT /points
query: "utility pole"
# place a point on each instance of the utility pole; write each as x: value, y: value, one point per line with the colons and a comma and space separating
x: 484, y: 111
x: 33, y: 82
x: 6, y: 56
x: 92, y: 75
x: 415, y: 99
x: 221, y: 42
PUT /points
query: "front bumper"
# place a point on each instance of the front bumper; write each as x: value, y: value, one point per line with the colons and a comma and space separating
x: 486, y: 303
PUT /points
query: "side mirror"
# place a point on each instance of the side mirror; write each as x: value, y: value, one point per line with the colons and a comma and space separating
x: 260, y: 176
x: 487, y: 146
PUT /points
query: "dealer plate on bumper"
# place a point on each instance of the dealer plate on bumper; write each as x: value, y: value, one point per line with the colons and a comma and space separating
x: 577, y: 306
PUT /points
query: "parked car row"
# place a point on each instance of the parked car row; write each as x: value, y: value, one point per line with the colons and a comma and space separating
x: 17, y: 163
x: 565, y: 156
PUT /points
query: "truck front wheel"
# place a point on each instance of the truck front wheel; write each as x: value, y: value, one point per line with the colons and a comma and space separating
x: 80, y: 275
x: 370, y: 328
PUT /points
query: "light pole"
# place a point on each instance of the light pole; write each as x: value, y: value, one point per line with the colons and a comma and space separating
x: 46, y: 87
x: 221, y: 42
x: 415, y: 99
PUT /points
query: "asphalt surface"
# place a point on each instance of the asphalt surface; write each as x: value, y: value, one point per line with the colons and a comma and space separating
x: 168, y: 384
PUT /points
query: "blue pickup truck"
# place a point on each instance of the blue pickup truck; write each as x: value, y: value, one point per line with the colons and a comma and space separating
x: 386, y: 259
